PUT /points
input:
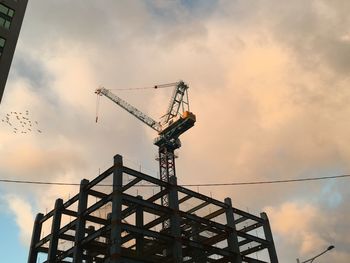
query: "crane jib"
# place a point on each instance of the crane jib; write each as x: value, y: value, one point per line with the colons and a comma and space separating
x: 131, y: 109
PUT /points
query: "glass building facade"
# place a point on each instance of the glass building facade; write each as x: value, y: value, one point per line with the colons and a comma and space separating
x: 6, y: 16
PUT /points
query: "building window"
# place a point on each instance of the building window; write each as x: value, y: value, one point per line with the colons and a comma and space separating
x: 6, y: 15
x: 2, y: 45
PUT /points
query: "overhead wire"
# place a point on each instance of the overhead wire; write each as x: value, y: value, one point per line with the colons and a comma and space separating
x: 187, y: 185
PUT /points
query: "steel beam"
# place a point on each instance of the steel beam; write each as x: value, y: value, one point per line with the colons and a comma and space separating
x: 247, y: 215
x: 139, y: 223
x: 215, y: 214
x: 97, y: 194
x: 80, y: 225
x: 252, y: 260
x: 116, y: 219
x: 145, y: 177
x: 100, y: 178
x: 198, y: 255
x: 33, y: 251
x: 232, y: 239
x: 200, y: 206
x: 90, y: 252
x: 55, y: 227
x: 251, y: 227
x: 252, y: 250
x: 131, y: 184
x: 253, y: 238
x: 268, y: 235
x: 148, y: 206
x: 175, y: 222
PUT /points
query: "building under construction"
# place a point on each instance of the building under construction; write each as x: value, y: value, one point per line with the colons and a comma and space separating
x: 127, y: 216
x: 120, y: 217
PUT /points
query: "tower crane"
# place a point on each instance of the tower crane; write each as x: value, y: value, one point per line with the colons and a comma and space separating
x: 173, y: 123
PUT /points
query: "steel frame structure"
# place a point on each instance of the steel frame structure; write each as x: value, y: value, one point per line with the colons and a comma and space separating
x: 202, y: 229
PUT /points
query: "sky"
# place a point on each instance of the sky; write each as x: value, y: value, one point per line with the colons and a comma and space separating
x: 268, y: 83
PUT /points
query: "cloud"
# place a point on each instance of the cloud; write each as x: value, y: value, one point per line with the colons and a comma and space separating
x: 312, y: 30
x: 295, y: 223
x: 32, y: 70
x: 308, y: 229
x: 23, y: 213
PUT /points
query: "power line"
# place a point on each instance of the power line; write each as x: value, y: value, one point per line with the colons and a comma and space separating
x: 187, y: 185
x: 273, y: 181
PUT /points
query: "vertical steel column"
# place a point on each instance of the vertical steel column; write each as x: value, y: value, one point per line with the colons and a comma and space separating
x: 55, y: 227
x: 116, y: 220
x: 175, y: 221
x: 198, y: 254
x: 268, y: 236
x: 33, y: 252
x: 139, y: 224
x: 80, y: 226
x: 89, y: 254
x: 232, y: 239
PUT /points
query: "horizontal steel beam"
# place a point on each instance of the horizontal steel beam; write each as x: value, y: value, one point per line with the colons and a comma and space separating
x: 215, y: 214
x: 96, y: 194
x: 145, y: 177
x: 200, y: 206
x: 247, y: 215
x: 253, y: 238
x: 252, y: 250
x: 131, y: 184
x: 152, y: 207
x: 251, y: 227
x: 200, y: 196
x: 97, y: 205
x: 100, y: 178
x: 252, y: 260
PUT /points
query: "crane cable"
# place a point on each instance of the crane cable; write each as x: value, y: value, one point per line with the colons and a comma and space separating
x: 97, y: 105
x: 160, y: 86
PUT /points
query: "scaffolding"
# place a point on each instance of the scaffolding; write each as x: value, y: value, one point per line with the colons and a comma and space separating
x: 119, y: 217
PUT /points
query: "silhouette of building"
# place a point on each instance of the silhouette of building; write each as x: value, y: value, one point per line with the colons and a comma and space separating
x: 119, y: 217
x: 11, y: 17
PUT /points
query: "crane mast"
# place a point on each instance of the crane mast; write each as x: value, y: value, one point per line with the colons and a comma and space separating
x: 179, y: 98
x: 174, y: 122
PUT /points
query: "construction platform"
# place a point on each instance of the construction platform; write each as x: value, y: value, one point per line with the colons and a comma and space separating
x: 118, y: 217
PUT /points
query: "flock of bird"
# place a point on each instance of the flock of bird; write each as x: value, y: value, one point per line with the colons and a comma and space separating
x: 21, y: 122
